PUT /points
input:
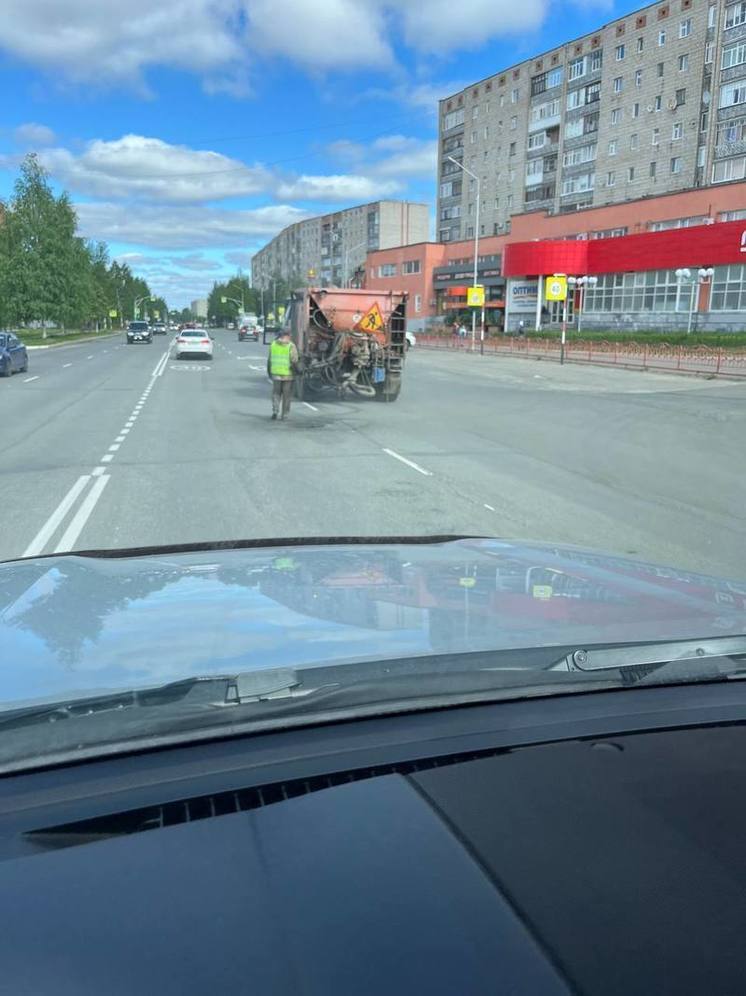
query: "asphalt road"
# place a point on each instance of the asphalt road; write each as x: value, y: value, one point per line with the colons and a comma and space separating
x: 107, y: 445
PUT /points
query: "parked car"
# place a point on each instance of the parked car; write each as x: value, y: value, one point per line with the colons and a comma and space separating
x: 191, y: 342
x: 411, y: 339
x: 248, y: 332
x: 139, y: 332
x: 231, y: 325
x: 13, y: 355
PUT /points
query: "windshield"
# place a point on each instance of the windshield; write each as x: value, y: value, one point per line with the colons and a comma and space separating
x: 426, y: 276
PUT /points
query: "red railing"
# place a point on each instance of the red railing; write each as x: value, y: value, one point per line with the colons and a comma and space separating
x: 635, y: 355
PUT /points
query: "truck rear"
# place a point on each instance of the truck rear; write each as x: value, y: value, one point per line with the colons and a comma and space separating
x: 349, y: 341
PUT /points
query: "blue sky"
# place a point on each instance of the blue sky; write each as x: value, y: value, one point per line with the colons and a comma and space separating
x: 188, y: 132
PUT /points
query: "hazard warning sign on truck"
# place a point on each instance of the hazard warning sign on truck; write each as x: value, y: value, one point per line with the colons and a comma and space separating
x: 372, y: 320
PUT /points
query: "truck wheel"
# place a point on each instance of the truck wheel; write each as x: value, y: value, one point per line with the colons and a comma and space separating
x: 389, y: 390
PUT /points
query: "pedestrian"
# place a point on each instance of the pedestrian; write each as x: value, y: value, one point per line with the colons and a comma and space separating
x: 455, y: 330
x: 462, y: 331
x: 520, y: 328
x: 282, y: 363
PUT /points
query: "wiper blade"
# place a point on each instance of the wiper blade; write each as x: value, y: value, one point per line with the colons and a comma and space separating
x: 636, y: 660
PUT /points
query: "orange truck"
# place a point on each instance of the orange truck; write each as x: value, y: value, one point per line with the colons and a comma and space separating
x: 349, y: 341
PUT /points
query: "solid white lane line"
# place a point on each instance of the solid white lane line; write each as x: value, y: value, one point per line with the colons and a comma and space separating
x: 409, y: 463
x: 39, y: 541
x: 29, y: 379
x: 66, y: 365
x: 80, y: 518
x: 114, y: 447
x: 98, y: 471
x: 313, y: 409
x: 107, y: 458
x: 490, y: 507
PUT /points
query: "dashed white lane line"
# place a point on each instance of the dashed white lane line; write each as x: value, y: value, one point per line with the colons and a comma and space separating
x: 120, y: 438
x: 66, y: 365
x: 70, y: 536
x: 114, y: 447
x: 107, y: 458
x: 253, y: 367
x: 39, y: 541
x: 129, y: 423
x: 123, y: 433
x: 29, y: 379
x: 409, y: 463
x: 98, y: 471
x: 89, y: 357
x: 489, y: 507
x: 312, y: 407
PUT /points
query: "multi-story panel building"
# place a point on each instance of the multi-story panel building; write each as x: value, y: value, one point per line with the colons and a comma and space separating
x: 651, y: 103
x: 329, y: 249
x: 199, y: 307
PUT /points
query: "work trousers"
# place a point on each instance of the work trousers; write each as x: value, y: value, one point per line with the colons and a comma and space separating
x: 282, y: 392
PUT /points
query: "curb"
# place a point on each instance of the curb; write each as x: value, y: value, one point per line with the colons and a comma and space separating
x: 75, y: 342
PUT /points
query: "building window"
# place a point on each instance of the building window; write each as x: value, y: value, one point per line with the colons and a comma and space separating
x: 734, y: 55
x: 574, y: 99
x: 537, y: 140
x: 732, y: 93
x: 583, y: 154
x: 616, y: 115
x: 738, y: 215
x: 612, y: 147
x: 735, y: 14
x: 661, y: 70
x: 681, y: 96
x: 701, y: 155
x: 677, y: 131
x: 729, y: 169
x: 728, y: 292
x: 514, y: 95
x: 534, y: 172
x: 633, y: 142
x: 475, y: 112
x: 619, y: 53
x: 576, y: 69
x: 597, y: 59
x: 578, y: 184
x: 592, y: 93
x: 511, y: 150
x: 510, y: 201
x: 513, y: 123
x: 656, y: 136
x: 411, y: 266
x: 711, y: 15
x: 538, y: 84
x: 676, y: 164
x: 473, y: 138
x: 657, y: 103
x: 635, y: 110
x: 652, y: 171
x: 610, y: 178
x: 644, y: 291
x: 618, y: 84
x: 685, y: 28
x: 731, y: 131
x: 387, y: 270
x: 418, y: 302
x: 661, y: 38
x: 638, y: 77
x: 554, y: 77
x: 453, y: 119
x: 630, y: 173
x: 486, y: 132
x: 640, y: 44
x: 704, y: 120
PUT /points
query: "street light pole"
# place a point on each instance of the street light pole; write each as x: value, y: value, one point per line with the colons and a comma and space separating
x: 347, y: 253
x: 581, y: 283
x: 476, y: 250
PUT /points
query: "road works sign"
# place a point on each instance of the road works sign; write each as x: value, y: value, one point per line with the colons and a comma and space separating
x: 372, y: 320
x: 475, y: 296
x: 556, y: 288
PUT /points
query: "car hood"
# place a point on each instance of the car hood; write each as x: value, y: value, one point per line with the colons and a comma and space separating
x: 77, y: 625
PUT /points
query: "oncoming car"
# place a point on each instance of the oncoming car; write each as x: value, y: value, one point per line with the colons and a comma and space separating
x: 193, y: 342
x: 139, y: 332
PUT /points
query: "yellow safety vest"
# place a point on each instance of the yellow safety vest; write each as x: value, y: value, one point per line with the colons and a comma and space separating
x: 279, y: 359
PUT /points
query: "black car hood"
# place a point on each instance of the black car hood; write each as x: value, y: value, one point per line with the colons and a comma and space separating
x: 73, y: 625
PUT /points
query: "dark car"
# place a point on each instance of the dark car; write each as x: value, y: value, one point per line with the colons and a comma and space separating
x: 248, y: 332
x: 159, y: 328
x: 13, y: 355
x: 139, y: 332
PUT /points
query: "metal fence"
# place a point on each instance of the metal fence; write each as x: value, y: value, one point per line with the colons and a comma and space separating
x: 707, y: 360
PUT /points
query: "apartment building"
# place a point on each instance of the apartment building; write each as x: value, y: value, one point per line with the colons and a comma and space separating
x: 331, y: 248
x: 199, y: 307
x: 651, y: 103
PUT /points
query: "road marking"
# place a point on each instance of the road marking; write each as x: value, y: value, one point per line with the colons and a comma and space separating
x: 89, y: 357
x: 114, y: 447
x: 120, y: 439
x: 39, y: 541
x: 490, y: 507
x: 98, y: 471
x: 29, y: 379
x: 82, y: 515
x: 409, y: 463
x: 129, y: 423
x: 251, y: 367
x: 160, y: 365
x: 123, y: 432
x: 66, y: 365
x: 313, y: 409
x: 107, y: 458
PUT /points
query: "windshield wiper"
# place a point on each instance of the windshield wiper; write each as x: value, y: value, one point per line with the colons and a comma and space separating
x: 637, y: 660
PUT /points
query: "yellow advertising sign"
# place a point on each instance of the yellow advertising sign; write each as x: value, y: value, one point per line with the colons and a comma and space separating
x: 372, y: 320
x: 556, y: 288
x: 475, y: 296
x: 113, y: 312
x: 541, y: 591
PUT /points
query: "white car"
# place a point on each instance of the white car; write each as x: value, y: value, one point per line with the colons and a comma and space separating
x: 411, y: 339
x: 193, y: 342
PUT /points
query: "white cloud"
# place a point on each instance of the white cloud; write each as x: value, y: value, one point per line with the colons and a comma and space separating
x: 222, y: 41
x: 240, y: 259
x: 389, y: 156
x: 183, y: 227
x: 342, y: 187
x: 32, y: 135
x: 195, y: 262
x: 136, y: 166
